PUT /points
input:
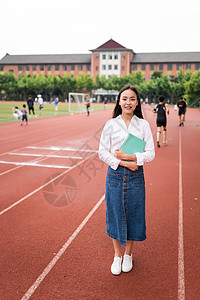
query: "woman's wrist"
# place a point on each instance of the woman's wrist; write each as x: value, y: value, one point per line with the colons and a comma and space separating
x: 131, y: 157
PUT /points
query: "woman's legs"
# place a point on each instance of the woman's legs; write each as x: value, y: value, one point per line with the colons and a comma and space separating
x: 129, y: 246
x: 117, y: 248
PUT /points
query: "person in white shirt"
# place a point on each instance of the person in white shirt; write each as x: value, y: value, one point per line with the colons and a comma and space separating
x: 125, y: 185
x: 40, y: 103
x: 16, y: 113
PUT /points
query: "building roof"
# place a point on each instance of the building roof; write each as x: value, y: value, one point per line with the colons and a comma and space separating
x: 166, y: 57
x: 46, y: 59
x: 111, y: 45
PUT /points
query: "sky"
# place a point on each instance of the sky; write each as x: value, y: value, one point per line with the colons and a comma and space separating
x: 78, y: 26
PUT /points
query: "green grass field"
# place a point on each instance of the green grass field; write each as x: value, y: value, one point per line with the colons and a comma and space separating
x: 47, y: 111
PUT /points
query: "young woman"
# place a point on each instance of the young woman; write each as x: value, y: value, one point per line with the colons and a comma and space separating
x: 125, y: 186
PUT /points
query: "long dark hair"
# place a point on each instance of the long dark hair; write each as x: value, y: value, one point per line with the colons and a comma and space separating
x: 118, y: 111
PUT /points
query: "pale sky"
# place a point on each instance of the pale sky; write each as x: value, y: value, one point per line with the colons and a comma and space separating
x: 77, y: 26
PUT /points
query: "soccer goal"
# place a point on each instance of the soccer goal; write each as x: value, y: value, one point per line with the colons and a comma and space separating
x: 77, y: 102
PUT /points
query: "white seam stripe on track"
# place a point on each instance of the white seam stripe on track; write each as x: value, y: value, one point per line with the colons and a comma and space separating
x: 38, y: 189
x: 63, y: 149
x: 42, y: 276
x: 34, y: 160
x: 181, y: 277
x: 33, y: 164
x: 46, y: 155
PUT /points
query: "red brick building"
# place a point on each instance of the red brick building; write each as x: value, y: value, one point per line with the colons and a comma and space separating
x: 107, y: 59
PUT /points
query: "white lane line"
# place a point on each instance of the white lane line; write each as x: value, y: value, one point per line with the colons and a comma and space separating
x: 32, y: 161
x: 42, y: 276
x: 38, y: 189
x: 46, y: 155
x: 32, y: 164
x: 181, y: 276
x: 63, y: 149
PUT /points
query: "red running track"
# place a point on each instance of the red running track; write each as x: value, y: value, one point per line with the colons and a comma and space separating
x: 44, y: 256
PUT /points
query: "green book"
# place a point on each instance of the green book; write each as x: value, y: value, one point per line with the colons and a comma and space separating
x: 132, y: 144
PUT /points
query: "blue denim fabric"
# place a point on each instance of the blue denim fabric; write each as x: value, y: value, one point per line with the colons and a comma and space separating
x: 125, y: 204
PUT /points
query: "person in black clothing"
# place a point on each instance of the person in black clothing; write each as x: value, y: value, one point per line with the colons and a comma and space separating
x: 185, y: 109
x: 30, y: 104
x: 87, y: 103
x: 161, y: 109
x: 181, y: 112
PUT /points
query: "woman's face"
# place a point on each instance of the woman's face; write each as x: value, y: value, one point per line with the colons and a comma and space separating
x: 128, y: 101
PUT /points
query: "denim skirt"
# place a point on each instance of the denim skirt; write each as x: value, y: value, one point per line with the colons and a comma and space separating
x: 125, y: 204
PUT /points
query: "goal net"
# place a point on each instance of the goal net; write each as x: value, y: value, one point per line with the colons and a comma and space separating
x: 77, y: 102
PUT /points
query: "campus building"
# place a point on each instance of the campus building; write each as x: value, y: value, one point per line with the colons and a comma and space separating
x: 107, y: 59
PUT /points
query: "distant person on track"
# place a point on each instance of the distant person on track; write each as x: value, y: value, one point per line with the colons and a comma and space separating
x: 87, y: 103
x: 40, y: 103
x: 105, y: 102
x: 30, y: 104
x: 56, y: 103
x: 24, y: 115
x: 185, y: 109
x: 181, y: 112
x: 161, y: 109
x: 125, y: 185
x: 16, y: 113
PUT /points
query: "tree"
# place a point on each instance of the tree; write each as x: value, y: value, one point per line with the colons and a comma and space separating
x: 193, y: 89
x: 8, y: 83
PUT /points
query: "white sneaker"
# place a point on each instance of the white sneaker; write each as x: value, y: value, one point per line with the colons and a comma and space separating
x: 127, y: 264
x: 116, y: 267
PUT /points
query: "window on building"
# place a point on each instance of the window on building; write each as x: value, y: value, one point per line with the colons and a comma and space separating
x: 109, y: 67
x: 97, y: 57
x: 20, y: 68
x: 41, y: 67
x: 97, y: 68
x: 64, y: 67
x: 104, y: 56
x: 150, y: 76
x: 143, y: 67
x: 80, y: 67
x: 123, y: 57
x: 110, y: 56
x: 134, y: 67
x: 27, y: 67
x: 151, y: 67
x: 197, y: 66
x: 116, y: 67
x: 72, y: 67
x: 34, y: 68
x: 56, y: 67
x: 103, y: 67
x: 122, y: 68
x: 178, y: 66
x: 144, y: 77
x: 1, y: 68
x: 49, y: 68
x: 160, y: 67
x: 187, y: 66
x: 169, y: 67
x: 11, y: 71
x: 88, y: 67
x: 115, y: 56
x: 72, y: 76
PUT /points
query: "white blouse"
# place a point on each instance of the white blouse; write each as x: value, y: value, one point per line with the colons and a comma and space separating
x: 115, y: 132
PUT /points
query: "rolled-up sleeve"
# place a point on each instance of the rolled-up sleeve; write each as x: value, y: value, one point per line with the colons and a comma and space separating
x: 149, y: 151
x: 105, y: 147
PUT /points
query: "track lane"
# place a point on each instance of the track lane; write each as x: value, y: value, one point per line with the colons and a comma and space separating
x: 155, y: 273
